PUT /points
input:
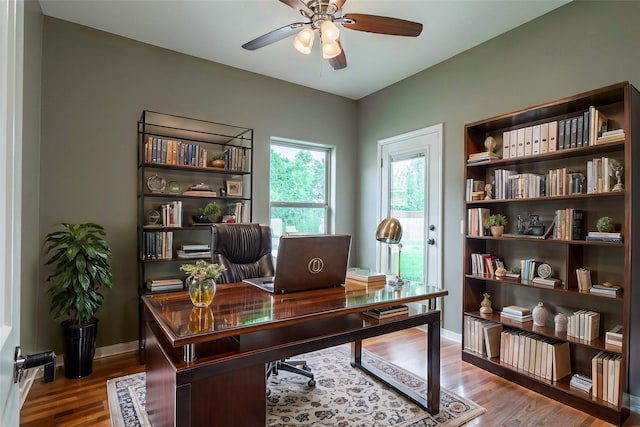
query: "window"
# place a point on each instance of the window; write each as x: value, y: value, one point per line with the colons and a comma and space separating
x: 299, y: 189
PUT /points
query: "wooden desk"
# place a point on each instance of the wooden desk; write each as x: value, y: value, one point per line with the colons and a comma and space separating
x: 208, y: 366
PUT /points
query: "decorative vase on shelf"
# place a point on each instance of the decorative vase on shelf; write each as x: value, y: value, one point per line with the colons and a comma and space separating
x: 561, y: 322
x: 485, y: 305
x: 201, y: 291
x: 540, y: 315
x: 218, y: 164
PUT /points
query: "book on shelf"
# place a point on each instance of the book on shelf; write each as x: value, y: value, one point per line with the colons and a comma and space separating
x: 516, y: 310
x: 613, y: 339
x: 548, y: 281
x: 581, y: 382
x: 612, y: 290
x: 491, y: 333
x: 584, y: 325
x: 195, y: 247
x: 482, y: 157
x: 517, y: 318
x: 604, y: 239
x: 193, y: 255
x: 161, y: 285
x: 199, y: 193
x: 604, y: 234
x: 383, y: 312
x: 584, y: 279
x: 365, y: 275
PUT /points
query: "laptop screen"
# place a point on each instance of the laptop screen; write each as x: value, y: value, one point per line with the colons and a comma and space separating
x: 306, y: 262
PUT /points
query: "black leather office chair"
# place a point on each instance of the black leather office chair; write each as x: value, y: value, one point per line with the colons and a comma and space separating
x: 245, y: 251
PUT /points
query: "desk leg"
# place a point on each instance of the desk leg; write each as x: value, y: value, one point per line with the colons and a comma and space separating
x: 432, y: 403
x: 433, y: 366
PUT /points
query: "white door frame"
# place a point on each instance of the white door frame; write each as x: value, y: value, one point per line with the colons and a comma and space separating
x: 11, y: 69
x: 428, y: 141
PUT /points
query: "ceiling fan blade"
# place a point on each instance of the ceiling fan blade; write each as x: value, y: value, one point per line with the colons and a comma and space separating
x: 339, y: 62
x: 298, y: 5
x: 274, y: 36
x: 382, y: 25
x: 339, y: 3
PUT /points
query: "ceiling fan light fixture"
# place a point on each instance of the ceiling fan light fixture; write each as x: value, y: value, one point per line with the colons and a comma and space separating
x: 303, y: 42
x: 329, y: 31
x: 330, y: 49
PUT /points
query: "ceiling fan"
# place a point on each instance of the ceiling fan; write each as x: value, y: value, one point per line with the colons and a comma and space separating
x: 322, y: 16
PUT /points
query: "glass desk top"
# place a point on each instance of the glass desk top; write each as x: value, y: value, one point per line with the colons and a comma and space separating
x: 241, y: 308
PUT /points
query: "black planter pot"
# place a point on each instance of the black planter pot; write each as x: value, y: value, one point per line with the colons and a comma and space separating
x: 79, y: 348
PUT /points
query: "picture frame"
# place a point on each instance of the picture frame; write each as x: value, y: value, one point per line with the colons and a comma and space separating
x: 234, y: 188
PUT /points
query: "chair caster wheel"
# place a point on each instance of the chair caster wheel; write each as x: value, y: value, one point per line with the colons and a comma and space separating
x: 311, y: 383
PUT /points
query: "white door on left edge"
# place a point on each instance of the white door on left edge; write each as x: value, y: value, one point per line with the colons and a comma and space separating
x: 11, y: 33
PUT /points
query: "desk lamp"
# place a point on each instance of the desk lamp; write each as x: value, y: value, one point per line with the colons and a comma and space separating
x: 389, y: 231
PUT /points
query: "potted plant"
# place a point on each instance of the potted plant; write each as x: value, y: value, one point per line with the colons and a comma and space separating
x: 605, y: 224
x: 81, y: 258
x: 496, y: 223
x: 209, y: 213
x: 218, y: 159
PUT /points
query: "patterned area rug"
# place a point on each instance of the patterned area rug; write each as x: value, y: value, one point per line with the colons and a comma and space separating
x: 343, y: 396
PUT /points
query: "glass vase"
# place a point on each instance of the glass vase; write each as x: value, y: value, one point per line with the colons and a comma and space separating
x: 202, y: 291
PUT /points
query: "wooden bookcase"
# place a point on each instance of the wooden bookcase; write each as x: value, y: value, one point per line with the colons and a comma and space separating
x: 174, y: 155
x: 612, y: 262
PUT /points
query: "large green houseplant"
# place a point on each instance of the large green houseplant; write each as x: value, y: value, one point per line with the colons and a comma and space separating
x: 81, y: 258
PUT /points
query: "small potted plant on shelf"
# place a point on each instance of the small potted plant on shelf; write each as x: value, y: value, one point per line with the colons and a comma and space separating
x: 496, y: 223
x: 218, y: 159
x: 81, y: 258
x: 209, y: 213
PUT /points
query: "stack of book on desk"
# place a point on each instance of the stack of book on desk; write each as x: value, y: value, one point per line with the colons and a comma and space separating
x: 364, y: 277
x: 381, y: 313
x: 519, y: 314
x: 194, y: 251
x: 163, y: 285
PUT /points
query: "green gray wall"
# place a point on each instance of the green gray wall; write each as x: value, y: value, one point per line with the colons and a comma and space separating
x: 94, y: 88
x: 581, y: 46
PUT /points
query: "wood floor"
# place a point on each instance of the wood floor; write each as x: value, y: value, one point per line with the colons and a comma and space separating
x: 83, y: 402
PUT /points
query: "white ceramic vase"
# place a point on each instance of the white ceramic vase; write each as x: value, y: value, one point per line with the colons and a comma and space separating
x: 540, y: 315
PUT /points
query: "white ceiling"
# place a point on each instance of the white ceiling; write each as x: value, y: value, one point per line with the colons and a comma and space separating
x: 216, y: 30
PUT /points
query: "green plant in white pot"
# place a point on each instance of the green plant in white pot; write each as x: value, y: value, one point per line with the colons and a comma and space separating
x: 81, y: 259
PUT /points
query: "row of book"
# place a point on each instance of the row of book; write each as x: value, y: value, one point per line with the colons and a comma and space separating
x: 584, y: 325
x: 171, y: 214
x: 485, y: 264
x: 526, y: 351
x: 605, y: 376
x: 172, y: 152
x: 603, y: 236
x: 157, y: 245
x: 475, y: 221
x: 163, y: 285
x: 514, y: 312
x: 241, y: 212
x: 530, y: 140
x: 599, y: 175
x: 568, y: 224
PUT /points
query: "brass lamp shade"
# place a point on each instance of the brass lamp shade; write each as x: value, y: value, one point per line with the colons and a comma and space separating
x: 389, y: 231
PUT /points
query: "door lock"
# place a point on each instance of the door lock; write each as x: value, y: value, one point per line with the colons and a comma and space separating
x: 47, y: 358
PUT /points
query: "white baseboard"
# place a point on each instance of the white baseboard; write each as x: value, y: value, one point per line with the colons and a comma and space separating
x: 450, y: 335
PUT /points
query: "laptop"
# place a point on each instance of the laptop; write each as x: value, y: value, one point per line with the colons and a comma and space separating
x: 307, y: 262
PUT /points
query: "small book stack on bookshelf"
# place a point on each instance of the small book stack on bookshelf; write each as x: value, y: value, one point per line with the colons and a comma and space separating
x: 384, y: 312
x: 601, y: 236
x: 613, y: 339
x: 194, y: 251
x: 581, y: 382
x: 519, y: 314
x: 606, y: 289
x: 163, y: 285
x: 364, y: 277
